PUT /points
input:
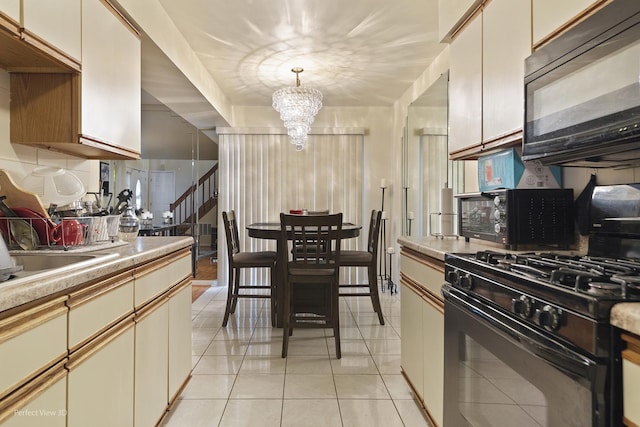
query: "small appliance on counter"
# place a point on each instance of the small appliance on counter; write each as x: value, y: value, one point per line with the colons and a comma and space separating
x: 518, y: 217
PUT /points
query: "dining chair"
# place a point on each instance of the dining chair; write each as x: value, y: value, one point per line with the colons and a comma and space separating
x: 239, y: 260
x: 368, y: 259
x: 311, y: 277
x: 310, y: 247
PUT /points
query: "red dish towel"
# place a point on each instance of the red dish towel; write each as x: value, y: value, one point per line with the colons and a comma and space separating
x: 296, y: 211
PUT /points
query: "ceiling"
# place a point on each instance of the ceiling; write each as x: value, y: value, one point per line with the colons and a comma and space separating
x: 357, y: 52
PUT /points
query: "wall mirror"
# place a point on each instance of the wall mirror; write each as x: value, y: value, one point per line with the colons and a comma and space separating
x: 429, y: 178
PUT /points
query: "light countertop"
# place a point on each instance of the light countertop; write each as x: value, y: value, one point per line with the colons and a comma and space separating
x: 22, y: 290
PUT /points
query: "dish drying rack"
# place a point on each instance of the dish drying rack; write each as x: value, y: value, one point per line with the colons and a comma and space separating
x: 66, y: 232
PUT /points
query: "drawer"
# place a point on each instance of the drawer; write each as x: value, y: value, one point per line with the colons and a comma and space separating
x: 41, y: 402
x: 31, y: 341
x: 428, y: 273
x: 158, y: 276
x: 96, y: 308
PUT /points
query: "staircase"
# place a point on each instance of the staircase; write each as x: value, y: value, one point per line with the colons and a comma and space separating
x: 184, y: 207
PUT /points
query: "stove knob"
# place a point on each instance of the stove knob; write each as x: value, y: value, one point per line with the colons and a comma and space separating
x: 497, y: 201
x: 466, y: 281
x: 549, y: 317
x: 497, y: 214
x: 453, y: 277
x: 500, y: 229
x: 522, y: 306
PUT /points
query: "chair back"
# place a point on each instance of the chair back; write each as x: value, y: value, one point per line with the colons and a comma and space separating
x: 231, y: 232
x: 374, y: 233
x: 316, y: 239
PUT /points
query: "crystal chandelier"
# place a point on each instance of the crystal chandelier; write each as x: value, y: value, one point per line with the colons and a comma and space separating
x: 298, y: 107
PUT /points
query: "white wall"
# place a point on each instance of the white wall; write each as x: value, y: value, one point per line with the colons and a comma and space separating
x: 20, y: 160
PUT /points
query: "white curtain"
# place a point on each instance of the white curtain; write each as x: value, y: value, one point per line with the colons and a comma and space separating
x: 262, y: 175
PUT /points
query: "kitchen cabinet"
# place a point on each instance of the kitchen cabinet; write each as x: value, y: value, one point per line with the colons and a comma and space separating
x: 180, y: 361
x: 422, y: 341
x: 465, y: 90
x: 551, y: 17
x: 11, y: 8
x: 100, y: 381
x: 31, y: 340
x: 40, y: 403
x: 452, y: 14
x: 94, y: 114
x: 55, y: 25
x: 631, y: 379
x: 486, y: 79
x: 152, y: 361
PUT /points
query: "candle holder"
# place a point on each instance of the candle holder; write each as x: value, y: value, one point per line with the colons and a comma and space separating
x: 393, y: 288
x: 382, y: 241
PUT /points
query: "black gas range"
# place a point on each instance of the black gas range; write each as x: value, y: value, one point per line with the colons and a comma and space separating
x: 567, y: 296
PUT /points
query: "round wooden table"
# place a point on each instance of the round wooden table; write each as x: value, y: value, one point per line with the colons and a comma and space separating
x: 271, y: 231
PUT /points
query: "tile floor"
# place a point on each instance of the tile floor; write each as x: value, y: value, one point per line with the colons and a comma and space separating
x: 239, y: 378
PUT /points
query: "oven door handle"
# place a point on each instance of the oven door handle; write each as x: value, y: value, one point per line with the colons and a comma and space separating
x: 535, y: 342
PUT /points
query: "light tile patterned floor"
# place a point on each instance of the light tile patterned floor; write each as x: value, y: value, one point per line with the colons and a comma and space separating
x: 239, y: 378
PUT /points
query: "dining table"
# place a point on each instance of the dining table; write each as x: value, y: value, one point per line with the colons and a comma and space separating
x: 272, y: 231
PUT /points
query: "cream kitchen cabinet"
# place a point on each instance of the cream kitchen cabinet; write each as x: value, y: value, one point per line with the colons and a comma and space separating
x: 54, y: 25
x: 452, y: 14
x: 506, y: 42
x: 465, y: 90
x: 40, y: 403
x: 180, y: 362
x: 631, y: 379
x: 422, y: 341
x: 31, y: 341
x: 11, y: 8
x: 551, y: 17
x: 486, y: 109
x: 101, y: 378
x: 152, y: 361
x: 94, y: 114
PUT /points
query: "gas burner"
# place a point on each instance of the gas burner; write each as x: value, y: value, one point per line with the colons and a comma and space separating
x: 604, y: 289
x: 629, y: 284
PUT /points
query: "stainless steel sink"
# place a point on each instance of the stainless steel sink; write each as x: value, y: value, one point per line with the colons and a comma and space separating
x: 39, y: 262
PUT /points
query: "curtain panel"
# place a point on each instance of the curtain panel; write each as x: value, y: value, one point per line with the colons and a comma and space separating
x: 262, y: 175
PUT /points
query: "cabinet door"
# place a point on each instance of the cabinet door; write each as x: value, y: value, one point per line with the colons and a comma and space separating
x: 111, y: 80
x: 40, y: 403
x: 506, y: 42
x: 11, y: 8
x: 56, y: 22
x: 550, y: 16
x: 152, y: 360
x: 465, y: 87
x: 451, y: 13
x: 100, y: 382
x: 30, y: 342
x: 433, y: 329
x: 411, y: 344
x: 179, y: 338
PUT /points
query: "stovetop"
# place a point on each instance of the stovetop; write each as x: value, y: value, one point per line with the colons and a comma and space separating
x: 589, y: 285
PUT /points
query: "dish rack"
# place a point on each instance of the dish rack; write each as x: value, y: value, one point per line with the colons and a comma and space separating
x: 63, y: 233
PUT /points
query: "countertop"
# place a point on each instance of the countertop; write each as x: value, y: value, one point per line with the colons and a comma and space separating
x: 624, y: 315
x: 22, y: 290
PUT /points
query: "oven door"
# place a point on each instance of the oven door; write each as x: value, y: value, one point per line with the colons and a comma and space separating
x: 499, y: 372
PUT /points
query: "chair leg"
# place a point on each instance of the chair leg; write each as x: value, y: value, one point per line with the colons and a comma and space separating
x: 286, y: 307
x: 375, y: 297
x: 227, y: 310
x: 236, y: 290
x: 335, y: 315
x: 272, y: 277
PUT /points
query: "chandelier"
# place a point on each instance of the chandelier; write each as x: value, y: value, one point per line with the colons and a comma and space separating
x: 298, y: 107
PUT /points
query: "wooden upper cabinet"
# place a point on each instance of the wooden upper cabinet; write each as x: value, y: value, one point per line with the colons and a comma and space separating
x: 551, y: 17
x: 506, y: 41
x: 94, y: 114
x: 465, y: 90
x: 56, y: 23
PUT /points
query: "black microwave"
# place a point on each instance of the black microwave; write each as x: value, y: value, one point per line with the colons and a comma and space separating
x: 518, y: 217
x: 582, y: 93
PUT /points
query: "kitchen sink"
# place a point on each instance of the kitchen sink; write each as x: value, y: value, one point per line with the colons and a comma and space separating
x: 38, y: 262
